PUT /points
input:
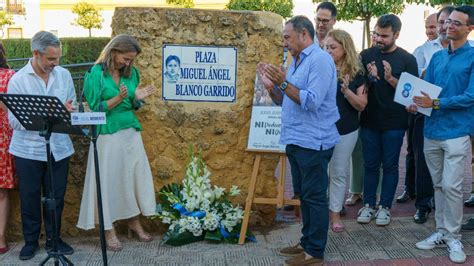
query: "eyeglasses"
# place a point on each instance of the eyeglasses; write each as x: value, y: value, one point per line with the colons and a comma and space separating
x: 323, y: 21
x: 454, y: 23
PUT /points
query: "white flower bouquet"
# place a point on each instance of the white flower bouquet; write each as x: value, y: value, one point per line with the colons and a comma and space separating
x: 195, y: 210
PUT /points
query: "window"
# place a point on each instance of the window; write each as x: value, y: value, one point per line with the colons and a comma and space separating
x: 15, y: 6
x: 14, y: 33
x: 55, y: 32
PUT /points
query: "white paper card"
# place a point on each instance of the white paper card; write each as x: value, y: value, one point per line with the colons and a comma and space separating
x: 88, y: 118
x: 410, y: 86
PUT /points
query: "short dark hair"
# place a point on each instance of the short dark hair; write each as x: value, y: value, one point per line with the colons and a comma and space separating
x: 329, y: 6
x: 390, y: 20
x: 301, y: 23
x: 446, y: 9
x: 172, y: 57
x: 469, y: 11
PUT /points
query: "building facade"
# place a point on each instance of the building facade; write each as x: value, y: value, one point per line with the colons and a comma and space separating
x: 31, y: 16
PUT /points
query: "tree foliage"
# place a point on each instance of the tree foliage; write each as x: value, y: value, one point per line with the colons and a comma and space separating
x: 5, y: 19
x: 181, y: 3
x: 282, y: 7
x: 88, y: 16
x: 443, y: 2
x: 365, y: 10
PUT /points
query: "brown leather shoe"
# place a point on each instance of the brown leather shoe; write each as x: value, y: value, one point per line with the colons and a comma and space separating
x: 292, y: 251
x: 301, y: 260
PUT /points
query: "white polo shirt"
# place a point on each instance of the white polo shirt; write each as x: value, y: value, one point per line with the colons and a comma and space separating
x: 29, y: 144
x: 424, y: 53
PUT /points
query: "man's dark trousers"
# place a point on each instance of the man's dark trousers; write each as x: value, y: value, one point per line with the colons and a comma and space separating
x: 33, y: 184
x: 309, y: 168
x: 424, y: 184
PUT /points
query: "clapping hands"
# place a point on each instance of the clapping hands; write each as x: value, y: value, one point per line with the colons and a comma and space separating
x: 143, y: 92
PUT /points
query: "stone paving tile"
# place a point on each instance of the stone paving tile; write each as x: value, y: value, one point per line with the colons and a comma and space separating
x: 357, y: 245
x: 406, y: 262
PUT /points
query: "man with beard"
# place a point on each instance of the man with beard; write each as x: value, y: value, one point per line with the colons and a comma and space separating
x: 383, y: 122
x: 447, y: 130
x: 325, y: 19
x: 307, y: 94
x: 424, y: 53
x: 41, y: 76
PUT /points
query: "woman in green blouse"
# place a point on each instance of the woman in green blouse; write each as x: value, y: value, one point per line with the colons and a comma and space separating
x: 111, y: 86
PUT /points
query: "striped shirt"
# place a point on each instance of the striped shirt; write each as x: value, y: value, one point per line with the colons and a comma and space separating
x: 29, y: 144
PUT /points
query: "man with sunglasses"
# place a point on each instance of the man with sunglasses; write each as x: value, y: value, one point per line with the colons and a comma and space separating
x: 447, y: 130
x: 325, y: 19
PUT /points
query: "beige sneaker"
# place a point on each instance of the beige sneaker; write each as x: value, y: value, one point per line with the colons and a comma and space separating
x: 301, y: 260
x: 292, y: 251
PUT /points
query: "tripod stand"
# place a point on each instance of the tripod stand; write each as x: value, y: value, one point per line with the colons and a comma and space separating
x: 45, y: 114
x: 50, y: 202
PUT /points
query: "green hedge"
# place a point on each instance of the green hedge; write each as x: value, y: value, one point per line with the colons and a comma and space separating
x: 75, y: 50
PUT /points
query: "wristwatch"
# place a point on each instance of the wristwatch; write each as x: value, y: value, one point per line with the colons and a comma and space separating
x: 284, y: 85
x: 436, y: 104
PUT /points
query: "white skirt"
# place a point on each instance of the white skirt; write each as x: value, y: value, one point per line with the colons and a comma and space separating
x: 125, y: 179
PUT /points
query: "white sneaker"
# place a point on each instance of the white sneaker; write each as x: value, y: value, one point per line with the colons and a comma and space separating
x: 382, y: 217
x: 456, y: 252
x: 365, y: 214
x: 433, y: 241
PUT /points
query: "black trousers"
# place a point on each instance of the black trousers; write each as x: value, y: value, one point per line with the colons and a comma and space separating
x: 423, y: 183
x: 410, y: 171
x: 33, y: 184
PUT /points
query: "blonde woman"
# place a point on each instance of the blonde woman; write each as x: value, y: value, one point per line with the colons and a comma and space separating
x: 351, y: 99
x: 126, y: 181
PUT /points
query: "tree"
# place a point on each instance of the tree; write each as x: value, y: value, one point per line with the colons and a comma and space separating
x: 88, y: 16
x: 181, y: 3
x: 282, y: 7
x: 443, y: 2
x: 5, y: 19
x: 365, y: 10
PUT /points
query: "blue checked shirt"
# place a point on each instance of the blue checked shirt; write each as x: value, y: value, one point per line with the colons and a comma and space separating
x: 311, y: 124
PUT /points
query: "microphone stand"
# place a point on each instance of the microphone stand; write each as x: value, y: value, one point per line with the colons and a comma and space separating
x: 94, y: 137
x: 50, y: 201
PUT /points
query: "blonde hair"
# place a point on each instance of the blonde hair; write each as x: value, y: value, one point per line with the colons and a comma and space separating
x: 351, y: 63
x: 122, y: 43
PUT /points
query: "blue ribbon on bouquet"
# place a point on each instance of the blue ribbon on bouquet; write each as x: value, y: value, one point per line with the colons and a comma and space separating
x: 226, y: 235
x: 182, y: 210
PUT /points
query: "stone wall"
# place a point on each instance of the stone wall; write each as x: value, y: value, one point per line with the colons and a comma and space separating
x: 220, y: 129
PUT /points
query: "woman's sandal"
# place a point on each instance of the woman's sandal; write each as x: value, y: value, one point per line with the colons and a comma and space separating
x: 113, y: 244
x: 134, y: 226
x: 353, y: 199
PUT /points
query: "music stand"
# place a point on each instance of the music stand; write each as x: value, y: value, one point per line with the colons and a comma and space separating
x: 45, y: 114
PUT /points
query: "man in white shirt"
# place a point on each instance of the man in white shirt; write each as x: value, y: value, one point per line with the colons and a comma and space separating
x: 41, y: 76
x: 325, y: 19
x: 424, y: 52
x: 431, y: 29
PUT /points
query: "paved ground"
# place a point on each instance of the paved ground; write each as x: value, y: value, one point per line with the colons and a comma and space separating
x: 358, y: 245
